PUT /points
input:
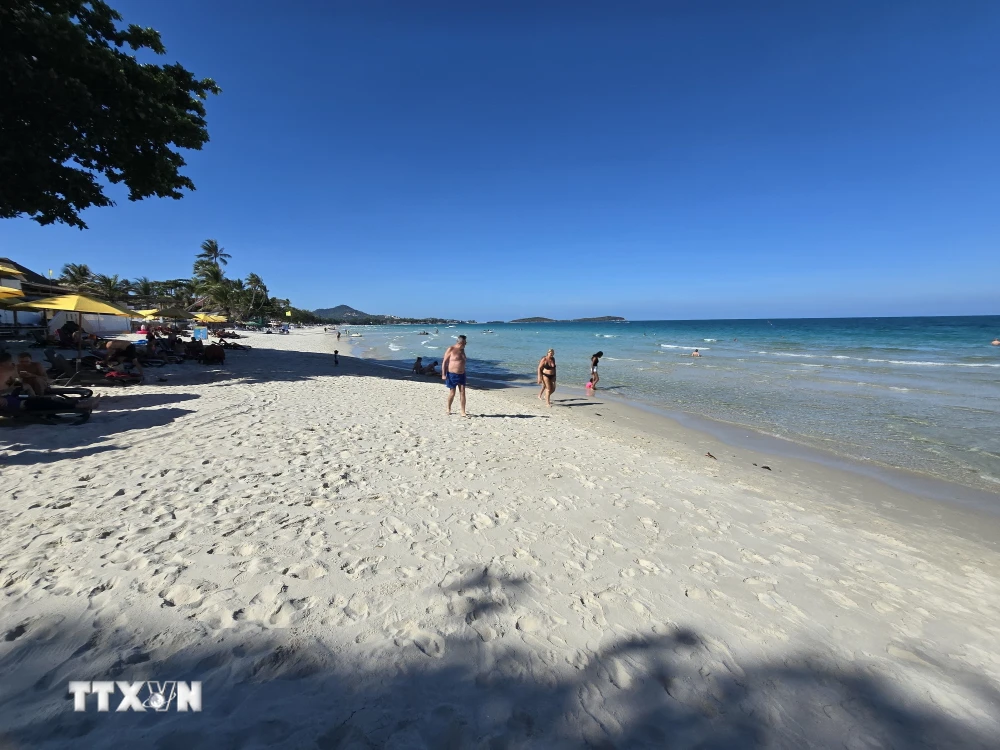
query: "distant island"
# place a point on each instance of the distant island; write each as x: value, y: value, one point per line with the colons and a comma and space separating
x: 346, y: 314
x: 603, y: 319
x: 343, y: 314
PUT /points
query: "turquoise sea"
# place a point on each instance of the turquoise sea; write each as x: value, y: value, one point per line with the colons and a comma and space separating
x: 913, y: 393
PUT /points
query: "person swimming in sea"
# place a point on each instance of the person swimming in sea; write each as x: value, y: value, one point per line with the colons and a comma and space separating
x: 695, y: 353
x: 996, y: 342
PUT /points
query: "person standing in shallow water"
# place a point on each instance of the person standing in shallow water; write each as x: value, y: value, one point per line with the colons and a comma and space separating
x: 595, y: 360
x: 547, y: 376
x: 453, y: 373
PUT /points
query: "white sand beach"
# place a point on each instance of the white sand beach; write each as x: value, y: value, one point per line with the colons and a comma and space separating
x: 343, y: 566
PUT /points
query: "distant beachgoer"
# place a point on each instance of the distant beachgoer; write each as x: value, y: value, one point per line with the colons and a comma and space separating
x: 418, y: 366
x: 336, y: 356
x: 338, y: 335
x: 695, y: 353
x: 431, y: 369
x: 547, y: 376
x: 453, y: 372
x: 32, y: 374
x: 996, y: 342
x: 595, y: 360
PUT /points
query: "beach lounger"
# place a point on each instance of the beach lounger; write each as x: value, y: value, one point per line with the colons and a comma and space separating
x: 61, y: 408
x: 64, y: 373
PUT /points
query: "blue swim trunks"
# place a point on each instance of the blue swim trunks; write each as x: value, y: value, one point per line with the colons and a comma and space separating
x: 453, y: 378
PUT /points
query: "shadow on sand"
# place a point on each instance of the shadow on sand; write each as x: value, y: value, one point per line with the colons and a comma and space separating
x: 494, y: 681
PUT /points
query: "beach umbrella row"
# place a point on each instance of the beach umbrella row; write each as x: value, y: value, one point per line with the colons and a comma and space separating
x: 78, y: 303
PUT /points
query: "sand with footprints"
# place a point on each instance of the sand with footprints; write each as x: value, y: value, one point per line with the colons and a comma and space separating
x: 342, y: 566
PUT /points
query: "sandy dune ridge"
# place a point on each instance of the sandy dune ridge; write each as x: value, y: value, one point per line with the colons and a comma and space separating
x: 343, y: 566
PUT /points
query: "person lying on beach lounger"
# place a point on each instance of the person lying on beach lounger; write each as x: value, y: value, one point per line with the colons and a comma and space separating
x: 120, y: 359
x: 34, y: 379
x: 12, y: 404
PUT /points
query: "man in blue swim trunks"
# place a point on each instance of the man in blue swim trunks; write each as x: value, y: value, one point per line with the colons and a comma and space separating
x: 453, y: 373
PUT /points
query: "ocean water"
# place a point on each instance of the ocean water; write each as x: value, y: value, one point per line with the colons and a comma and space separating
x: 914, y: 393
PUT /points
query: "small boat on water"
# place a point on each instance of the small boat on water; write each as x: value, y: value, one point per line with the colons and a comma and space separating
x: 356, y: 336
x: 489, y: 331
x: 423, y: 333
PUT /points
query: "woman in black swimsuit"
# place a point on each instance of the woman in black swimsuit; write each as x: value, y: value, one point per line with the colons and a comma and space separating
x: 595, y: 360
x: 547, y: 376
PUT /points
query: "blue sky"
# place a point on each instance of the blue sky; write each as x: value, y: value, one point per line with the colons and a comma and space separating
x: 652, y: 160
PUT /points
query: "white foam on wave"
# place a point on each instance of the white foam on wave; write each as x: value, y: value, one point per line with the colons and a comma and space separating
x: 933, y: 364
x: 394, y: 348
x: 710, y: 340
x: 689, y: 348
x: 623, y: 359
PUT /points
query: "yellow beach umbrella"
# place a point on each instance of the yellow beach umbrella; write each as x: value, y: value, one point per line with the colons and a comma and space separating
x: 7, y: 292
x: 10, y: 271
x: 144, y: 313
x: 77, y: 303
x: 209, y: 318
x: 168, y: 312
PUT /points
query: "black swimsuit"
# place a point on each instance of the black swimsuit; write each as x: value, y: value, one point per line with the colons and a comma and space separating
x: 549, y: 371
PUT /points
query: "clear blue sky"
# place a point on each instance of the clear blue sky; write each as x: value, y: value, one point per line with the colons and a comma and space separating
x: 653, y: 160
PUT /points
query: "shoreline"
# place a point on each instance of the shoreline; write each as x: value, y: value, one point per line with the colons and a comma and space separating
x: 765, y: 447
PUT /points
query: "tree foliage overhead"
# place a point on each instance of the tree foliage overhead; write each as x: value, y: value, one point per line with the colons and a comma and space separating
x: 76, y: 108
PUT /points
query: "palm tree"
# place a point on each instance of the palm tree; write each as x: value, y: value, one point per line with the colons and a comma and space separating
x: 147, y: 292
x: 180, y: 291
x: 111, y: 288
x: 207, y: 276
x: 77, y: 276
x: 226, y: 295
x: 214, y: 254
x: 256, y: 286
